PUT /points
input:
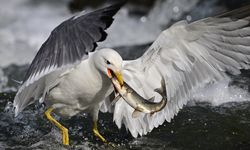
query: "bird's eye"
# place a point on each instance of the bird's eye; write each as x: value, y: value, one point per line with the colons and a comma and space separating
x: 108, y: 62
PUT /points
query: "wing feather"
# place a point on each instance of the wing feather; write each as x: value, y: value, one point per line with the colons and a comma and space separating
x: 187, y: 57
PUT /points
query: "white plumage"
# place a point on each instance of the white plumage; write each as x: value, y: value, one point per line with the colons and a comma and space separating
x: 188, y: 57
x: 80, y: 88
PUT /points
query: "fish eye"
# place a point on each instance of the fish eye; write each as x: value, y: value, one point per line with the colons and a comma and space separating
x: 108, y: 62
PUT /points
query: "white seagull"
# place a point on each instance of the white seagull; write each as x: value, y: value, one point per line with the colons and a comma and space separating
x: 186, y: 56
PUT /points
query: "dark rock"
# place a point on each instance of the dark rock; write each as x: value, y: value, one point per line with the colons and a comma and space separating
x: 233, y: 4
x: 79, y: 5
x: 139, y: 7
x: 132, y: 52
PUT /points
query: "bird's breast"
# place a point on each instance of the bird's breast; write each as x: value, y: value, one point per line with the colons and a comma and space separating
x: 82, y: 87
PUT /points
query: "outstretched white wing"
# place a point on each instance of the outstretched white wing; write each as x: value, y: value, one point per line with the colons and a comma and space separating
x: 187, y: 57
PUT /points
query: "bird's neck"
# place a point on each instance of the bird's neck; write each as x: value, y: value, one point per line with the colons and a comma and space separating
x: 101, y: 81
x: 99, y: 75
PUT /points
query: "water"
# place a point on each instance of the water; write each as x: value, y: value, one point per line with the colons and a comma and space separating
x: 196, y: 127
x: 216, y: 118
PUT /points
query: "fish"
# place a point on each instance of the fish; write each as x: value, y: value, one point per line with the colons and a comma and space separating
x: 136, y: 101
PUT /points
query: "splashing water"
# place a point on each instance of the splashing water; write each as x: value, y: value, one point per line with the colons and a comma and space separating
x: 221, y: 92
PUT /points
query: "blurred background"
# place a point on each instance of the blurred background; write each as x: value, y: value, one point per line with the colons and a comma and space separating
x: 217, y: 118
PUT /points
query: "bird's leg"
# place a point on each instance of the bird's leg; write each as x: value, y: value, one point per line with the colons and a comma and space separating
x: 97, y: 134
x: 95, y: 114
x: 65, y: 134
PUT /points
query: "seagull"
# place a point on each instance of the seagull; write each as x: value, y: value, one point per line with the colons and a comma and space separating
x: 67, y: 76
x: 70, y: 76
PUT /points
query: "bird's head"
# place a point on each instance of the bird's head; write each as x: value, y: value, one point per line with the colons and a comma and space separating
x: 109, y: 62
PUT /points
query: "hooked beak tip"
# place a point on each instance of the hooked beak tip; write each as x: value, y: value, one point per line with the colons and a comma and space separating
x: 117, y: 75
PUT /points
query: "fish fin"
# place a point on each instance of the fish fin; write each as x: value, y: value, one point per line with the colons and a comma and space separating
x: 151, y: 99
x: 116, y: 99
x: 159, y: 90
x: 136, y: 114
x: 151, y: 114
x: 162, y: 89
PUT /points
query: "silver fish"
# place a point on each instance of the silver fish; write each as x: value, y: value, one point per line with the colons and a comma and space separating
x: 138, y: 102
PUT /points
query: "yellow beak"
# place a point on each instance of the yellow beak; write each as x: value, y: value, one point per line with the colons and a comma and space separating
x: 117, y: 74
x: 119, y: 77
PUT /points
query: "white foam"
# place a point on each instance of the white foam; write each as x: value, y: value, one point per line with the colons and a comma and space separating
x: 221, y: 93
x: 24, y: 27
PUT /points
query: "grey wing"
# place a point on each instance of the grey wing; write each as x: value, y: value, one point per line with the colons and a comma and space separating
x: 68, y: 44
x: 187, y: 57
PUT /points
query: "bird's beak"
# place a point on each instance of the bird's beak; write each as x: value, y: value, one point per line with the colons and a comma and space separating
x: 117, y: 75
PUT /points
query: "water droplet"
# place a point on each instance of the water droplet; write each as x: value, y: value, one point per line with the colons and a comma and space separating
x: 176, y: 9
x: 9, y: 107
x: 143, y: 19
x: 189, y: 18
